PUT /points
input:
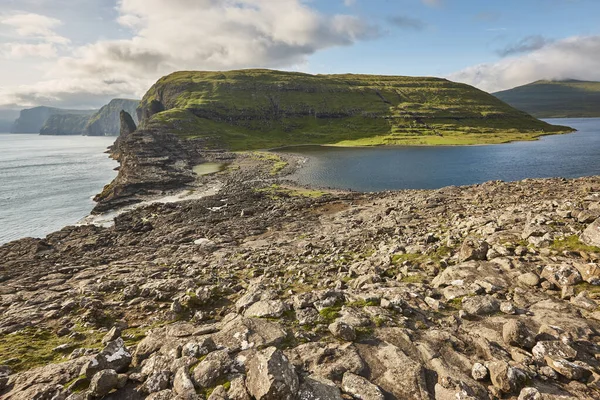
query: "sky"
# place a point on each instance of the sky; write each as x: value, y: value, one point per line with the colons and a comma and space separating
x: 83, y: 53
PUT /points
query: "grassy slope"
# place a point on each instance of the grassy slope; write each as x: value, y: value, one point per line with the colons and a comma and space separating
x: 560, y: 99
x: 262, y: 108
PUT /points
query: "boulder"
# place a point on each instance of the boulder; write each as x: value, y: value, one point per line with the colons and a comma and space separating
x: 103, y: 382
x: 516, y: 333
x: 115, y: 356
x: 270, y: 376
x: 473, y: 250
x: 361, y: 388
x: 480, y: 305
x: 530, y: 393
x: 330, y: 361
x: 315, y: 387
x: 239, y: 333
x: 479, y: 372
x: 266, y: 309
x: 561, y: 275
x: 591, y: 235
x: 343, y: 331
x: 529, y: 279
x: 506, y: 378
x: 156, y: 382
x: 569, y: 369
x: 589, y: 272
x: 212, y: 368
x: 554, y: 350
x: 183, y: 385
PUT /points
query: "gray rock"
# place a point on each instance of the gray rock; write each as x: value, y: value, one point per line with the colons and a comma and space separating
x: 529, y: 279
x: 156, y: 382
x: 343, y: 331
x: 506, y: 378
x: 238, y: 391
x: 589, y: 272
x: 307, y: 316
x: 530, y: 393
x: 317, y: 388
x: 361, y: 388
x: 114, y: 356
x: 266, y: 309
x: 218, y: 394
x: 212, y: 368
x: 561, y: 275
x: 112, y: 335
x: 591, y: 235
x: 199, y: 348
x: 271, y: 377
x: 240, y: 333
x: 103, y: 382
x: 479, y: 372
x: 480, y: 305
x: 162, y: 395
x: 473, y: 250
x: 569, y: 369
x: 183, y: 385
x: 516, y: 333
x: 556, y: 350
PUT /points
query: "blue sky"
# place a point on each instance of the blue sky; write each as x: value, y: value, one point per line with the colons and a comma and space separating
x: 81, y: 53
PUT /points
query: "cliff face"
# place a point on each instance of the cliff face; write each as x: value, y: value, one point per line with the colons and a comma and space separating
x: 34, y: 119
x: 65, y: 124
x: 106, y: 121
x: 264, y: 108
x: 151, y: 162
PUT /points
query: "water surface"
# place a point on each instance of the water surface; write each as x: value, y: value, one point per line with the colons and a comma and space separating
x: 389, y: 168
x: 47, y: 182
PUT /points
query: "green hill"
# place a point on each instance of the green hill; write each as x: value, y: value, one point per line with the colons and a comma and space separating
x: 252, y: 109
x: 106, y: 122
x: 555, y: 99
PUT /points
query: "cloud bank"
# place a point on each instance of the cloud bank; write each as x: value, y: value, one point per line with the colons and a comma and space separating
x: 576, y: 57
x: 177, y: 35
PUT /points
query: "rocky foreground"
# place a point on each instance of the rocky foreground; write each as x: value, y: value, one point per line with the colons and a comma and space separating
x: 269, y: 292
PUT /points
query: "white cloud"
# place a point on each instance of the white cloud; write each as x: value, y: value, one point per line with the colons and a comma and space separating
x: 576, y: 57
x: 35, y: 36
x: 190, y: 34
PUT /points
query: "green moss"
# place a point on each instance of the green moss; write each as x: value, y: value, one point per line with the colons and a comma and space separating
x: 572, y: 243
x: 78, y: 384
x: 32, y: 347
x: 398, y: 259
x: 330, y: 314
x: 455, y: 303
x: 593, y: 290
x: 254, y: 109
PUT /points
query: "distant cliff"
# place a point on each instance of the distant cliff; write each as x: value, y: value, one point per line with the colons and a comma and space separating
x: 106, y: 121
x: 34, y: 119
x: 65, y: 124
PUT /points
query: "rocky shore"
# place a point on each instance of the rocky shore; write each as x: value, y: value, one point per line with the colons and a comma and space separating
x: 267, y: 291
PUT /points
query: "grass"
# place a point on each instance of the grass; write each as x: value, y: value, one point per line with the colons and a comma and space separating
x: 278, y: 164
x: 32, y: 347
x: 330, y: 314
x: 257, y: 109
x: 572, y: 243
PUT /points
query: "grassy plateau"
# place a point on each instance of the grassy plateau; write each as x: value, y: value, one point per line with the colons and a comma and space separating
x: 257, y: 109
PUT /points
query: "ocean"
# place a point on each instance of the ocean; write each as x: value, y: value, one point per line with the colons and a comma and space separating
x: 47, y: 182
